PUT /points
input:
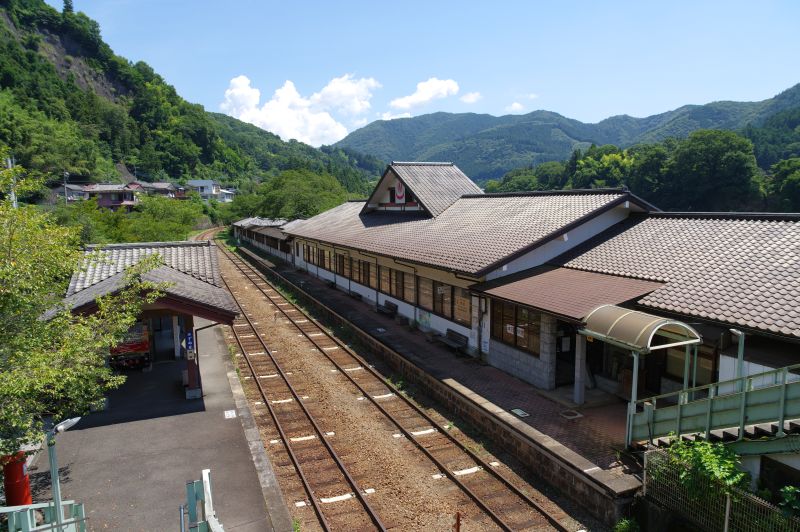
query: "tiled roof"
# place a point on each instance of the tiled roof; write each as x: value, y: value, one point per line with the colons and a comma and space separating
x: 196, y: 259
x: 474, y: 234
x: 742, y: 270
x: 106, y: 187
x: 255, y: 221
x: 566, y: 292
x: 436, y: 185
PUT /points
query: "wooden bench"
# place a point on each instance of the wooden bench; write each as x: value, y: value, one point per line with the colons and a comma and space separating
x: 388, y: 308
x: 454, y: 340
x: 354, y: 295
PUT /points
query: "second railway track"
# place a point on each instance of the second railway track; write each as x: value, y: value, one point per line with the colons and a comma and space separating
x: 505, y: 504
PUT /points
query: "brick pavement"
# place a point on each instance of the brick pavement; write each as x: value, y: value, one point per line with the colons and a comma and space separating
x: 597, y: 435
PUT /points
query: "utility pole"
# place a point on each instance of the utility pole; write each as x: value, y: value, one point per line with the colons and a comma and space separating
x: 66, y: 176
x: 10, y: 166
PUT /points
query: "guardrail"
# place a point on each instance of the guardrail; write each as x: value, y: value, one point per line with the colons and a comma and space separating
x: 24, y: 518
x: 768, y: 397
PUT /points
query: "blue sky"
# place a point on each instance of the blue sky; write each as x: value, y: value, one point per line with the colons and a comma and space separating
x: 317, y: 70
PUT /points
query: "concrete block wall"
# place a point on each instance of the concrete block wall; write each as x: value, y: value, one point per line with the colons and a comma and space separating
x: 539, y: 371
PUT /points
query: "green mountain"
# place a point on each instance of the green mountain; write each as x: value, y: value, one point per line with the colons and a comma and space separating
x: 486, y: 146
x: 68, y: 103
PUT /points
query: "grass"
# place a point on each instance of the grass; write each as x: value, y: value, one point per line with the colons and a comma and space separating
x: 295, y: 525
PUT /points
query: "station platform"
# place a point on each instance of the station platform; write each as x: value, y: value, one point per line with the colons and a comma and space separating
x: 129, y: 464
x: 586, y: 440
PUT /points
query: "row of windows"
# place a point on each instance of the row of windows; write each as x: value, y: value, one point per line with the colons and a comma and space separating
x: 516, y: 326
x: 451, y: 302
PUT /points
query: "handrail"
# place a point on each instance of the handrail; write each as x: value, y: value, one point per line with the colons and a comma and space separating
x: 743, y: 379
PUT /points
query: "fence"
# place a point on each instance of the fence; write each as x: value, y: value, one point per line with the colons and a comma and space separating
x: 708, y: 503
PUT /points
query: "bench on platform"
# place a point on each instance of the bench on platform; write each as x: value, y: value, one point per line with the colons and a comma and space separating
x: 388, y: 308
x: 354, y: 295
x: 331, y: 284
x: 454, y: 340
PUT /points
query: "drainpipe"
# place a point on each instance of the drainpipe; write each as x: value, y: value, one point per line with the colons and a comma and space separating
x: 739, y: 358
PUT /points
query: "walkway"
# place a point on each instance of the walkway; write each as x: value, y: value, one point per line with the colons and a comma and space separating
x: 597, y: 434
x: 129, y: 464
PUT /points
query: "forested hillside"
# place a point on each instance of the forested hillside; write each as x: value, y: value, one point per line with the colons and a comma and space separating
x: 68, y: 103
x: 487, y: 147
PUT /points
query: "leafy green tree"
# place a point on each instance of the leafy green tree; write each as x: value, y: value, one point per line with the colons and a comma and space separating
x: 786, y: 184
x: 300, y: 194
x: 68, y: 8
x: 51, y: 368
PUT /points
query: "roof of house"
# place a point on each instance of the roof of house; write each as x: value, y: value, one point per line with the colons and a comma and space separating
x: 201, y: 182
x: 106, y: 187
x: 566, y: 292
x: 739, y: 269
x: 255, y: 221
x: 161, y: 185
x: 190, y: 272
x: 475, y: 234
x: 196, y: 259
x: 436, y: 185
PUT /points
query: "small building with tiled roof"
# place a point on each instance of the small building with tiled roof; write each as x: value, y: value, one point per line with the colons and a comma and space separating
x: 513, y: 276
x: 189, y: 275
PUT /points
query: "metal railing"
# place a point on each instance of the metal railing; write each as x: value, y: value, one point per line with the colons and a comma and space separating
x: 199, y: 508
x: 25, y: 518
x: 768, y: 397
x: 707, y: 503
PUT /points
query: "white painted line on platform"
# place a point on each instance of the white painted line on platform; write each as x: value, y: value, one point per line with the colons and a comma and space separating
x: 337, y: 498
x: 469, y: 471
x: 230, y: 414
x: 281, y: 401
x: 303, y: 438
x: 384, y: 396
x: 354, y: 369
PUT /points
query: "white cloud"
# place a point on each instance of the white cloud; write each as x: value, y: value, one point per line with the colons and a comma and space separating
x: 532, y: 96
x: 471, y: 97
x: 388, y: 115
x: 515, y: 107
x: 346, y: 94
x: 292, y: 116
x: 432, y: 89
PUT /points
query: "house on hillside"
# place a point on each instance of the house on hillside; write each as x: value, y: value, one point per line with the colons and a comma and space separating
x: 571, y: 290
x: 114, y: 195
x: 210, y: 189
x: 159, y: 188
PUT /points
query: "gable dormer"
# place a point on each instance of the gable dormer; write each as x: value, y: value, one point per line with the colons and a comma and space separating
x: 419, y: 187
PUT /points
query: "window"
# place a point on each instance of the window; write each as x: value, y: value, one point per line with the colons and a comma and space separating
x: 385, y: 281
x: 443, y: 299
x: 705, y: 364
x: 355, y: 273
x: 409, y: 197
x: 341, y: 260
x: 371, y: 276
x: 392, y: 198
x: 409, y: 288
x: 396, y: 283
x: 462, y: 306
x: 517, y: 326
x: 425, y: 293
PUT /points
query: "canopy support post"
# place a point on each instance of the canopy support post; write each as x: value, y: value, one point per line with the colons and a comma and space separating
x: 634, y: 394
x: 686, y: 359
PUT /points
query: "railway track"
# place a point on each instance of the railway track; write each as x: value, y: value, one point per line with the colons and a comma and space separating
x: 496, y: 496
x: 304, y: 440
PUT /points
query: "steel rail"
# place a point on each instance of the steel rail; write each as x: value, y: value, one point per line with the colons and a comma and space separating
x: 357, y: 491
x: 477, y: 459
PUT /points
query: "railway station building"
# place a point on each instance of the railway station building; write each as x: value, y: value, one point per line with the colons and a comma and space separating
x: 514, y: 277
x: 164, y: 332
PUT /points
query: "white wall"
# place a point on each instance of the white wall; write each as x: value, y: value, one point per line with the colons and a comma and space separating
x: 556, y: 247
x: 727, y: 371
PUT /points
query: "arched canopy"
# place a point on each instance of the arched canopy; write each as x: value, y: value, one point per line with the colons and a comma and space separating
x: 635, y: 330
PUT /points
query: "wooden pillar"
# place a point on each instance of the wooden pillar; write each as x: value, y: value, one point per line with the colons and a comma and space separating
x: 176, y: 336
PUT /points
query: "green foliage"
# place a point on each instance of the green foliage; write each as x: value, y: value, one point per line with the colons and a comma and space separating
x: 51, y: 368
x: 299, y: 194
x: 626, y: 525
x: 790, y: 501
x: 710, y: 170
x: 777, y: 138
x: 705, y: 460
x: 128, y: 114
x: 154, y: 219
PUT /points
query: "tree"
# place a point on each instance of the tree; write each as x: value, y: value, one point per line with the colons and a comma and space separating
x: 786, y: 184
x: 68, y: 8
x: 300, y: 194
x: 52, y: 363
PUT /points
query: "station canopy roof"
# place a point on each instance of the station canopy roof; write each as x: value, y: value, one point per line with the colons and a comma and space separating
x: 637, y: 330
x: 566, y: 292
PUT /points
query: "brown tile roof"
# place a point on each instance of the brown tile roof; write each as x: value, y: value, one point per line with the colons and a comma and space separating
x: 474, y: 235
x: 742, y: 270
x: 436, y: 185
x: 566, y: 292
